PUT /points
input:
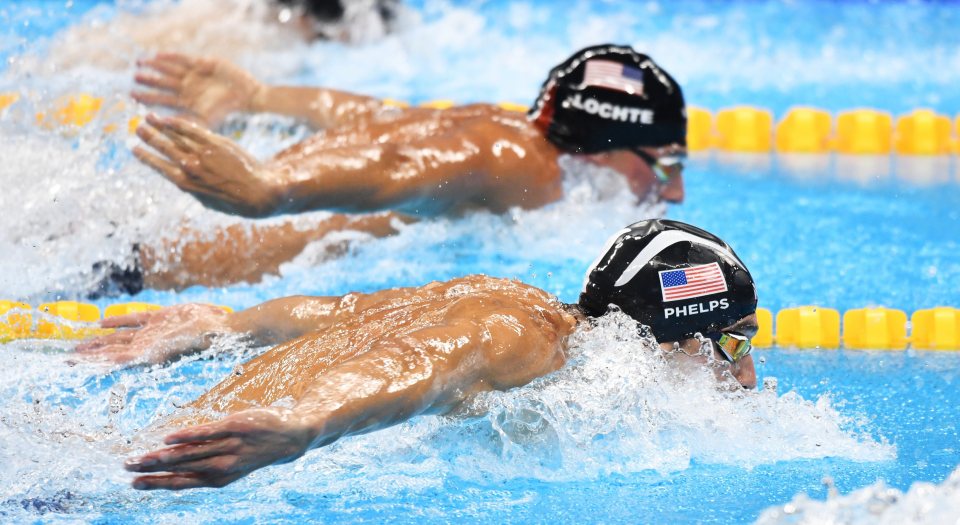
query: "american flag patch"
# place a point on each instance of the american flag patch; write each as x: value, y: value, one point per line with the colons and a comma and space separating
x: 613, y: 75
x: 695, y: 281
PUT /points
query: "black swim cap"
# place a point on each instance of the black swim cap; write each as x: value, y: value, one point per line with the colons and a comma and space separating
x: 610, y: 97
x: 675, y: 278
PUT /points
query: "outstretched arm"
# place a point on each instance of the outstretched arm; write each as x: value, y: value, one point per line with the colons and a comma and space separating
x: 428, y: 371
x: 426, y: 176
x: 164, y: 335
x: 211, y: 89
x: 247, y: 252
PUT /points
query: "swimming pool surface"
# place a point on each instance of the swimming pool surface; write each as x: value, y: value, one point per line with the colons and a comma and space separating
x: 613, y: 437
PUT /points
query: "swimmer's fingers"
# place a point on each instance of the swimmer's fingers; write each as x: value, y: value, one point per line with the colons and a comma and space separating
x: 118, y: 354
x: 161, y: 165
x: 156, y: 138
x: 118, y: 338
x: 181, y: 481
x: 172, y: 64
x: 179, y: 60
x: 207, y: 457
x: 180, y: 154
x: 133, y: 320
x: 189, y: 129
x: 187, y: 133
x: 155, y: 98
x: 164, y: 82
x: 199, y: 433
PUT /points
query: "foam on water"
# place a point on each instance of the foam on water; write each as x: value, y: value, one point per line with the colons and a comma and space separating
x: 619, y: 407
x: 876, y: 504
x: 73, y: 199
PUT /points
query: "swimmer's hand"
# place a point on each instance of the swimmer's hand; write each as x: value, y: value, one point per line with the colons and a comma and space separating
x: 217, y: 454
x: 212, y: 168
x: 207, y: 88
x: 159, y: 336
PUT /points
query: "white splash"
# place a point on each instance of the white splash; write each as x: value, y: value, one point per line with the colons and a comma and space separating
x: 876, y: 504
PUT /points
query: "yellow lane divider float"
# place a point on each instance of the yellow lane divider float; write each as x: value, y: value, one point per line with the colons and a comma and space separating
x: 923, y: 132
x: 744, y: 129
x: 808, y: 327
x: 65, y: 320
x: 863, y: 328
x: 936, y: 329
x: 7, y: 100
x: 804, y: 130
x: 800, y: 327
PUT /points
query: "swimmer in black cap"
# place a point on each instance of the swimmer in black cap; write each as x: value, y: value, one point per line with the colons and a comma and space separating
x: 343, y: 20
x: 609, y: 105
x: 353, y: 364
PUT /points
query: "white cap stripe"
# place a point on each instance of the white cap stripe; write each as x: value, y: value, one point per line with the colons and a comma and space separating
x: 606, y: 247
x: 660, y: 243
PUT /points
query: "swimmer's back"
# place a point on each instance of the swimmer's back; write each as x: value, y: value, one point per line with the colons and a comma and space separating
x: 461, y: 311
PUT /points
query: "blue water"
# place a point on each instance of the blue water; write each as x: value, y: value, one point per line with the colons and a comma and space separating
x: 809, y: 235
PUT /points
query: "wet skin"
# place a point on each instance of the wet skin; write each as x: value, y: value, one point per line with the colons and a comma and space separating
x: 369, y: 156
x: 363, y: 362
x: 742, y: 370
x: 348, y: 365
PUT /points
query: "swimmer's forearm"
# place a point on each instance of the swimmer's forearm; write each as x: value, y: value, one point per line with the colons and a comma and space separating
x: 280, y: 320
x: 380, y: 389
x: 375, y: 178
x: 320, y: 107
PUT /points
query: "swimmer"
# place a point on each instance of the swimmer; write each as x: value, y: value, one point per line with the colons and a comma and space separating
x: 371, y: 157
x: 223, y: 28
x: 341, y: 20
x: 225, y: 256
x: 609, y: 105
x: 354, y: 364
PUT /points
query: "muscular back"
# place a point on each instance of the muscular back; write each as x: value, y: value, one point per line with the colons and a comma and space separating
x: 456, y: 338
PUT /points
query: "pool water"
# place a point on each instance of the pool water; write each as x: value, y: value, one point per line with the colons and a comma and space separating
x: 613, y: 437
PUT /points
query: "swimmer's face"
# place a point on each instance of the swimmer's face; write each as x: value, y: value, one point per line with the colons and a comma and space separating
x: 640, y: 174
x: 742, y: 370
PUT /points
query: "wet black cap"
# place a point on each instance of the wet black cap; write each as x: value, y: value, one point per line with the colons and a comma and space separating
x: 610, y: 97
x: 671, y: 276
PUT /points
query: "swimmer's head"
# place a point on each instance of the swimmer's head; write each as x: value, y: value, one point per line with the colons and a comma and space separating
x: 608, y: 97
x: 343, y: 20
x: 675, y: 278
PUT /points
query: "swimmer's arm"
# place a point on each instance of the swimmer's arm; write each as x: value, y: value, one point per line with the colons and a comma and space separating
x: 280, y: 320
x: 429, y: 371
x: 428, y: 176
x: 320, y: 107
x: 424, y: 177
x: 248, y: 252
x: 212, y: 88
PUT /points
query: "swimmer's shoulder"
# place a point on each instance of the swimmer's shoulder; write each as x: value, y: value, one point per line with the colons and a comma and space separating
x: 499, y: 291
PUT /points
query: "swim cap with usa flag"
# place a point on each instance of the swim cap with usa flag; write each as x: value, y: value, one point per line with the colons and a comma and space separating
x: 610, y: 97
x: 671, y: 276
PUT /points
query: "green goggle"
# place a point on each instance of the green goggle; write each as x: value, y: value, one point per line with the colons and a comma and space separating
x: 733, y: 346
x: 664, y: 167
